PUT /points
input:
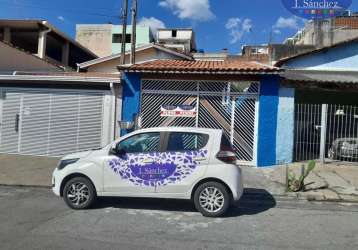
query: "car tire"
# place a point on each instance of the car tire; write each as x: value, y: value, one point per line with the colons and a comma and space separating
x: 79, y: 193
x: 212, y: 199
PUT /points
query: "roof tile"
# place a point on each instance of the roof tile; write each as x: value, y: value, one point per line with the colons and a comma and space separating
x: 200, y: 66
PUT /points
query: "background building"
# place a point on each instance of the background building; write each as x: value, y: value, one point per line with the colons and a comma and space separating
x: 105, y: 39
x: 40, y: 38
x: 322, y: 33
x: 271, y: 53
x: 182, y: 40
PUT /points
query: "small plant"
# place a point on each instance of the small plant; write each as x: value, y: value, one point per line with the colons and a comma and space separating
x: 295, y: 184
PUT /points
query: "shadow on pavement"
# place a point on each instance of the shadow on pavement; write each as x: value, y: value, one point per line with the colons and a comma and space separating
x: 253, y: 201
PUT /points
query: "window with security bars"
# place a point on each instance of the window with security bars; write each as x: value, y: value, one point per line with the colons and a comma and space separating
x: 181, y: 141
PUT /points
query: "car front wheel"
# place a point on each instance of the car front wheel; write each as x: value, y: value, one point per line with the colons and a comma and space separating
x: 212, y: 199
x: 79, y: 193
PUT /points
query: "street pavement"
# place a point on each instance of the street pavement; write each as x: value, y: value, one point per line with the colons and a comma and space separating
x: 33, y: 218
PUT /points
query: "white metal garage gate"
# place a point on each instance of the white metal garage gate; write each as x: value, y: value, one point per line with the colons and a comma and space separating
x: 230, y: 106
x: 52, y: 122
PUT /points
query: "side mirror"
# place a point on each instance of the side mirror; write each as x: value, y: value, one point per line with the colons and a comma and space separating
x: 121, y: 153
x: 117, y: 152
x: 113, y: 151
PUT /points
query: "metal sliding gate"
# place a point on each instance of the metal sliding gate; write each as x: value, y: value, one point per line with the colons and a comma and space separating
x: 230, y: 106
x: 326, y: 132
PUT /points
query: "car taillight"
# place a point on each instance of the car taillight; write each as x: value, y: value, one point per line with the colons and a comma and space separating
x: 228, y: 156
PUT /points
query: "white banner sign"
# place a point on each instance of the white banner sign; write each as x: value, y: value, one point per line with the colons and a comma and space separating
x: 178, y: 111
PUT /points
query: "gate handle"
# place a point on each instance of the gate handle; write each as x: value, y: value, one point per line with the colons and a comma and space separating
x: 17, y: 122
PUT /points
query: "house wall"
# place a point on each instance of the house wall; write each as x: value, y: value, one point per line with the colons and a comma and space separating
x: 143, y: 37
x: 275, y: 122
x: 336, y: 58
x: 97, y: 38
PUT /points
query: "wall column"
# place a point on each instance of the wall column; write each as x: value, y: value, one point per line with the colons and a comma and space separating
x: 65, y: 53
x: 285, y: 126
x: 267, y: 121
x: 41, y: 49
x: 131, y: 98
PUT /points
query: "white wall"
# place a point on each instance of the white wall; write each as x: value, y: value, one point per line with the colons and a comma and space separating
x: 181, y: 34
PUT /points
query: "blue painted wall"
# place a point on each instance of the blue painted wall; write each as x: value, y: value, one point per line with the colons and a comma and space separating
x: 267, y: 124
x: 343, y: 57
x: 285, y: 126
x: 131, y: 98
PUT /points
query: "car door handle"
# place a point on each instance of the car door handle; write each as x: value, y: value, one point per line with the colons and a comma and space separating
x: 147, y: 161
x: 199, y: 159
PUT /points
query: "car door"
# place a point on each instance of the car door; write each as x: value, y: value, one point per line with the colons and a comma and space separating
x: 132, y: 172
x: 188, y: 154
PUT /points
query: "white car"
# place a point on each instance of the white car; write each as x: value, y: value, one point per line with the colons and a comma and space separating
x: 179, y: 163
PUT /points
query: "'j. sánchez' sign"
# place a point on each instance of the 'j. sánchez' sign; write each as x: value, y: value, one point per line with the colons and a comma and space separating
x: 317, y: 9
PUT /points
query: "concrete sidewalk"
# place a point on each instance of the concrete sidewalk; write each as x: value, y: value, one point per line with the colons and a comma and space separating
x: 330, y: 182
x: 20, y: 170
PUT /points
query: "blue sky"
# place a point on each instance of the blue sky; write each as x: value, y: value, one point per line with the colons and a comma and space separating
x: 218, y: 23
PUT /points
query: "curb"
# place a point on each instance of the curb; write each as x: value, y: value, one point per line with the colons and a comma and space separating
x: 25, y: 186
x: 297, y: 196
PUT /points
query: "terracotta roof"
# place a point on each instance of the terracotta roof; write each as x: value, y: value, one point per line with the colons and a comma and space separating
x: 201, y: 67
x: 138, y: 49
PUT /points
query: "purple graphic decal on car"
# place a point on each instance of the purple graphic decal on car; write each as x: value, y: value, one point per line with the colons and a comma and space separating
x: 156, y: 169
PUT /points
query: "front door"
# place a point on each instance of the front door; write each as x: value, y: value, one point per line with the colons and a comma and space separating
x: 188, y: 153
x: 135, y: 171
x: 10, y: 121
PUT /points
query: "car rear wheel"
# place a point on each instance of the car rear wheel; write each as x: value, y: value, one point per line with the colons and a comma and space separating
x: 212, y: 199
x: 79, y: 193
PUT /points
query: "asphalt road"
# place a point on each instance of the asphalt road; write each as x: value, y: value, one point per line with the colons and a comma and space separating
x: 33, y: 218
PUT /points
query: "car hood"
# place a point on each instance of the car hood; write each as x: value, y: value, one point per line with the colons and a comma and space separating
x: 79, y: 155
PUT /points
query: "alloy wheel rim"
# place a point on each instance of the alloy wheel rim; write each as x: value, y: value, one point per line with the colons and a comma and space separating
x: 78, y: 193
x: 211, y: 199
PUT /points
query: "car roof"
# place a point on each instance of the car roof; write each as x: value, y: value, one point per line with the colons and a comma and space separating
x: 180, y: 129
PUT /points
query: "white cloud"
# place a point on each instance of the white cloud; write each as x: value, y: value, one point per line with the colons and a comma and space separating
x: 196, y: 10
x: 238, y: 28
x: 153, y: 23
x: 292, y: 23
x: 276, y: 31
x: 287, y: 23
x: 61, y: 18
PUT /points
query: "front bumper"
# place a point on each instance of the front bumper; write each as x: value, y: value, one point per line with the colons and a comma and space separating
x: 56, y: 182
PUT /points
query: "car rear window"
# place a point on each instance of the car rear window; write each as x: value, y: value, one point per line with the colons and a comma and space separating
x: 183, y: 141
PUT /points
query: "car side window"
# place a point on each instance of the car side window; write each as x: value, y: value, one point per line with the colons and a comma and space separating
x: 141, y: 143
x: 183, y: 141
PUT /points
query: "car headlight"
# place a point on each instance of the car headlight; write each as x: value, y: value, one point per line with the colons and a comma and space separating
x: 62, y: 164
